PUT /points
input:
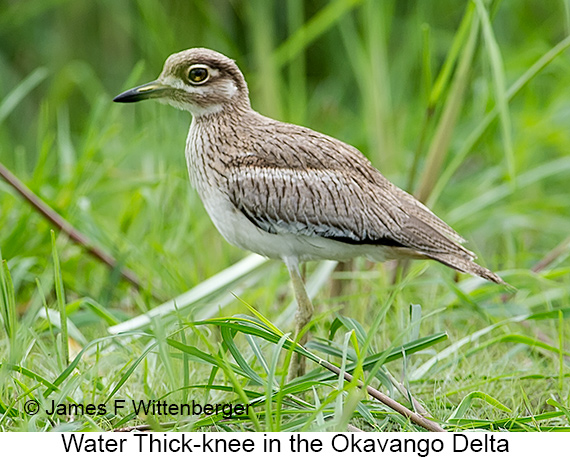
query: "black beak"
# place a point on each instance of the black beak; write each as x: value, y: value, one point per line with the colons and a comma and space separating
x: 150, y: 90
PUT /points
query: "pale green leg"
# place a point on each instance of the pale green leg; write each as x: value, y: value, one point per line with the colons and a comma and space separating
x: 302, y: 316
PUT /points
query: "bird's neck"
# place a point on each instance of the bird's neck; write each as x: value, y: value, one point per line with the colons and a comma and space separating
x: 224, y: 113
x: 213, y: 143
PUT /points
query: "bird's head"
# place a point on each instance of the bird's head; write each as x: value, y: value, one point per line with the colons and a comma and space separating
x: 198, y: 80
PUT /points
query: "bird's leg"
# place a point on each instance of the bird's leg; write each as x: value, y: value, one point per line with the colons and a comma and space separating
x: 302, y: 316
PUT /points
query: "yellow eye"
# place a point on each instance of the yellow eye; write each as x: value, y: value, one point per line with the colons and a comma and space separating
x: 198, y: 74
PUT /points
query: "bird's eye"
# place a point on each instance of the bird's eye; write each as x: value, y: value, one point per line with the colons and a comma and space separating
x: 198, y: 74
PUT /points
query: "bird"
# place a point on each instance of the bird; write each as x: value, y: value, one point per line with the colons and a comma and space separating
x: 288, y: 192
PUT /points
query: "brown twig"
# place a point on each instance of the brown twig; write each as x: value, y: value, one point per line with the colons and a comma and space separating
x: 78, y: 237
x: 406, y: 393
x: 552, y: 256
x: 138, y: 428
x: 416, y: 418
x: 543, y: 263
x: 391, y: 403
x: 352, y: 428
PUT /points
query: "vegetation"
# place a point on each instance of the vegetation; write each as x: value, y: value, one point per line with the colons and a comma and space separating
x: 465, y: 104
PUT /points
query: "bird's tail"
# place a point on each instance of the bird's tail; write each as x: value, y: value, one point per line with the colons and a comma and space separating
x: 467, y: 265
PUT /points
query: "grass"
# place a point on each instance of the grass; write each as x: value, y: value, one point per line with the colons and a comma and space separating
x: 467, y: 109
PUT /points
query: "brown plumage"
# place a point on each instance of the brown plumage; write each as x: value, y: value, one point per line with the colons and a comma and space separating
x: 288, y: 192
x: 307, y: 183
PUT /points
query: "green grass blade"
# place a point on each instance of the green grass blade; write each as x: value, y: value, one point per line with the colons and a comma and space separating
x: 269, y: 388
x: 200, y: 355
x: 561, y: 351
x: 477, y: 133
x: 65, y: 374
x: 459, y: 41
x: 132, y: 367
x: 30, y: 374
x: 54, y: 318
x: 20, y: 92
x: 499, y: 84
x: 465, y: 404
x: 258, y: 352
x: 443, y: 132
x: 8, y: 307
x: 559, y: 406
x: 381, y: 357
x: 326, y: 18
x: 219, y: 282
x: 349, y: 324
x: 60, y: 294
x: 497, y: 193
x: 228, y: 339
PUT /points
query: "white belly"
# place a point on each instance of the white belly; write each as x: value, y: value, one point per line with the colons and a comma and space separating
x: 239, y: 231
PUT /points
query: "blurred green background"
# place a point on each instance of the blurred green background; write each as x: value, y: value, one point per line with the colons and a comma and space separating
x: 465, y: 103
x: 356, y: 70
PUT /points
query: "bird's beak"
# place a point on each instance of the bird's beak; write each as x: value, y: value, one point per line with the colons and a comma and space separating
x: 153, y: 89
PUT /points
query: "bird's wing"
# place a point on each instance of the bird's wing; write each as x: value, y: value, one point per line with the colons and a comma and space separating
x: 311, y: 202
x: 343, y: 170
x: 336, y: 204
x: 302, y: 182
